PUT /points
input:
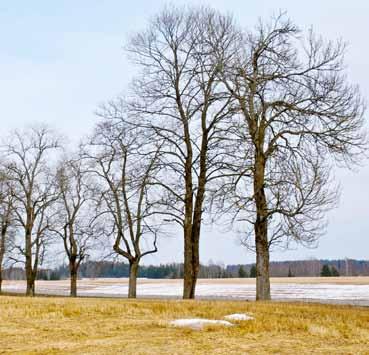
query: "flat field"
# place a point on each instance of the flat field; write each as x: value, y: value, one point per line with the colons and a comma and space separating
x: 341, y: 290
x: 57, y: 325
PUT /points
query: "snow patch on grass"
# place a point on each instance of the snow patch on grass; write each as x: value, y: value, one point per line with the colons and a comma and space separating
x: 199, y: 323
x: 238, y: 316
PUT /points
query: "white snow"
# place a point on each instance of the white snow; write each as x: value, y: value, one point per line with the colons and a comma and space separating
x: 324, y: 292
x: 199, y: 323
x: 238, y: 316
x: 327, y: 292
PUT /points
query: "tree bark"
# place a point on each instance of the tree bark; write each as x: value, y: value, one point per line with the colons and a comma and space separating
x: 189, y: 274
x: 30, y: 285
x: 261, y: 232
x: 193, y: 227
x: 262, y: 262
x: 30, y: 291
x: 192, y: 250
x: 189, y: 267
x: 2, y: 253
x: 133, y: 271
x: 73, y: 269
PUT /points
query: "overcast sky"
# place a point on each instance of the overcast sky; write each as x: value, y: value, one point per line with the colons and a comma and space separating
x: 60, y: 59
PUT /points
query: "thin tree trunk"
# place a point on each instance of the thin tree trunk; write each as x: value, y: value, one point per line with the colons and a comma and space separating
x: 132, y: 286
x: 73, y: 278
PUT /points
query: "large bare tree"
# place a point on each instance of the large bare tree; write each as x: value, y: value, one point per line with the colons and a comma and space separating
x: 125, y: 162
x: 75, y: 221
x: 180, y: 98
x: 29, y: 155
x: 299, y: 115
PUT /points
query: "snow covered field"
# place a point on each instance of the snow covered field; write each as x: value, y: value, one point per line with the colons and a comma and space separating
x: 333, y: 290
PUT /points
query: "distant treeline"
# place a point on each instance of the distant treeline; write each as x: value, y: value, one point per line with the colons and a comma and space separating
x: 91, y: 269
x: 345, y: 267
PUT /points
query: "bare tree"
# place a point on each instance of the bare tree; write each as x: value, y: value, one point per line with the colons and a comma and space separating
x: 181, y: 100
x: 75, y: 215
x: 29, y: 153
x: 299, y: 116
x: 125, y: 165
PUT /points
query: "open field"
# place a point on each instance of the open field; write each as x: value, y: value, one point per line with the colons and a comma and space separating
x: 346, y: 290
x: 54, y: 325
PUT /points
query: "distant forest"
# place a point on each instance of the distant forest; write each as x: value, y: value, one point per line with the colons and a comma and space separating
x: 94, y: 269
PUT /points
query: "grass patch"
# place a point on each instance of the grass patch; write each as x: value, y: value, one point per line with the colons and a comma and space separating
x: 52, y: 325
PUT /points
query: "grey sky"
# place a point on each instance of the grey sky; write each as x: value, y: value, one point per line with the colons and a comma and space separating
x: 60, y: 59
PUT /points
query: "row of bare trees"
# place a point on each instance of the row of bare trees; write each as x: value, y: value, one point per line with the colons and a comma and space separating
x: 221, y: 123
x: 102, y: 194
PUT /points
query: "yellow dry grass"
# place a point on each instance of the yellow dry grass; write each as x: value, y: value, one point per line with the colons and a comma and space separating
x: 56, y: 325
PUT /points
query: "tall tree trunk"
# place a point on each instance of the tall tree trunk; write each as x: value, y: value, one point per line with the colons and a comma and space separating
x: 193, y: 227
x: 188, y: 269
x: 133, y: 271
x: 30, y: 285
x: 73, y: 270
x: 30, y: 291
x: 195, y: 260
x: 192, y: 256
x: 2, y: 253
x: 262, y: 261
x: 261, y: 232
x: 1, y: 277
x: 189, y: 273
x: 193, y: 248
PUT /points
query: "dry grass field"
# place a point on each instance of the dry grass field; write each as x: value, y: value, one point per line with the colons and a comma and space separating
x: 56, y: 325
